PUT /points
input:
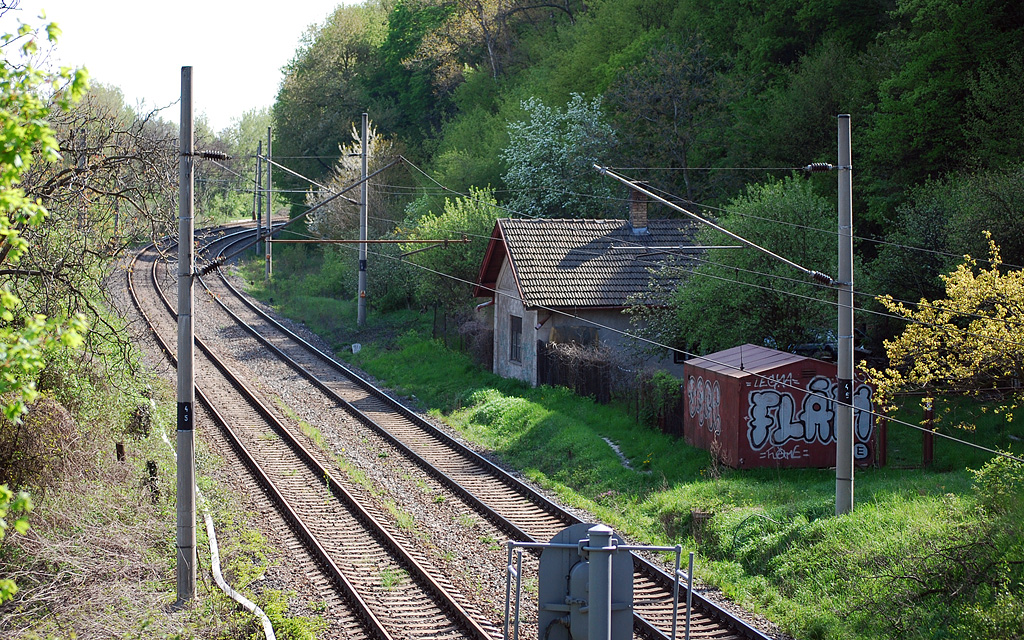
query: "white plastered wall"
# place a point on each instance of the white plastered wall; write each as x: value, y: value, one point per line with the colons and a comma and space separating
x: 507, y: 304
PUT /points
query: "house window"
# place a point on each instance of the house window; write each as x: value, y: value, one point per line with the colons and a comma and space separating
x: 515, y: 342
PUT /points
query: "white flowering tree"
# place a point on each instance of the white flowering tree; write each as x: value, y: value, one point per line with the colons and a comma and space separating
x: 550, y: 158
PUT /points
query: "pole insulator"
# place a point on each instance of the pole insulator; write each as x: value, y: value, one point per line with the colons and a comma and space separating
x: 818, y: 167
x: 823, y: 278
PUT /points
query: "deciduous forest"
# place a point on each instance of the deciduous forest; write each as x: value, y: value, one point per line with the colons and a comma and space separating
x: 709, y: 103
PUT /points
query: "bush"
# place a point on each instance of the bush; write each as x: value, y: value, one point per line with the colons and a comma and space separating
x: 1000, y: 485
x: 35, y: 450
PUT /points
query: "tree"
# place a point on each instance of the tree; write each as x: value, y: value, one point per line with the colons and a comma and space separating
x: 742, y: 295
x: 339, y: 218
x: 763, y: 37
x: 792, y: 123
x: 15, y: 507
x: 972, y: 340
x: 322, y: 92
x: 111, y: 187
x: 938, y: 46
x: 401, y: 86
x: 670, y: 111
x: 943, y: 220
x: 995, y: 116
x: 25, y: 336
x: 24, y: 135
x: 550, y: 158
x: 451, y: 271
x: 224, y: 188
x: 480, y: 32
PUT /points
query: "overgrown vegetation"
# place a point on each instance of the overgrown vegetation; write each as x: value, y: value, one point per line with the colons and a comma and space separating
x: 926, y: 550
x: 502, y: 106
x: 921, y: 553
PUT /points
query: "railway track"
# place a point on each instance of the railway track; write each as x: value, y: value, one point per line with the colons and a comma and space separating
x: 387, y: 591
x: 514, y: 508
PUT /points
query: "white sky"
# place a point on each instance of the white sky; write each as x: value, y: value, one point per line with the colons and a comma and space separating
x: 236, y: 48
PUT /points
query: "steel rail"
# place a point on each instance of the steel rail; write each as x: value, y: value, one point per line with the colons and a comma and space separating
x: 642, y: 566
x: 319, y: 554
x: 470, y: 626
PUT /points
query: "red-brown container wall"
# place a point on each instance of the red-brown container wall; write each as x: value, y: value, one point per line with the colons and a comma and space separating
x: 757, y: 407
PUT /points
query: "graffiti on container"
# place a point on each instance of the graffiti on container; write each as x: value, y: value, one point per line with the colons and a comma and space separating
x: 774, y: 418
x: 778, y: 453
x: 776, y: 380
x: 704, y: 400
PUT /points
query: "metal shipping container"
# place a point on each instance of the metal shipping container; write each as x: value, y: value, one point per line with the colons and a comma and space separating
x: 753, y: 407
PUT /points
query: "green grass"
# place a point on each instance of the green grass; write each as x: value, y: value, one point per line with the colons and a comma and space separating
x: 925, y: 554
x: 772, y: 542
x: 391, y: 578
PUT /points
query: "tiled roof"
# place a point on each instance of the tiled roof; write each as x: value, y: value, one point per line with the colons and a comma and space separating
x: 588, y: 263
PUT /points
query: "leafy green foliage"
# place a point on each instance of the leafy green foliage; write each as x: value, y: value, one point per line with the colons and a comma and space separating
x: 923, y: 551
x: 24, y: 336
x: 400, y: 86
x: 551, y: 156
x: 224, y: 189
x: 468, y: 152
x: 949, y: 217
x: 999, y: 484
x: 482, y: 34
x: 970, y: 340
x: 15, y: 507
x: 670, y: 112
x: 763, y: 37
x: 742, y: 295
x: 450, y: 270
x: 323, y: 93
x: 925, y: 101
x: 995, y: 123
x: 792, y: 122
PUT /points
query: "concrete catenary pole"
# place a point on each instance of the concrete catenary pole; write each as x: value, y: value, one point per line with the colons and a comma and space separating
x: 270, y: 204
x: 258, y: 194
x: 361, y: 304
x: 844, y: 406
x: 186, y: 496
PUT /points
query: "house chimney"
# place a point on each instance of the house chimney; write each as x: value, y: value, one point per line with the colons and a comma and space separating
x: 638, y: 210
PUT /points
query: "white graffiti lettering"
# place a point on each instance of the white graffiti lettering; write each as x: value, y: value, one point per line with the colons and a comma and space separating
x: 704, y: 401
x: 778, y: 453
x: 775, y: 380
x: 863, y: 420
x: 772, y: 419
x: 818, y: 414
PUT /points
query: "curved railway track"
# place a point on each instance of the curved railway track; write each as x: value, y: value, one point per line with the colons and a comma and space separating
x: 345, y: 537
x: 515, y: 508
x: 511, y: 506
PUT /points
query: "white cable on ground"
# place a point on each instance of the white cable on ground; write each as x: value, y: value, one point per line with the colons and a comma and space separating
x: 247, y: 604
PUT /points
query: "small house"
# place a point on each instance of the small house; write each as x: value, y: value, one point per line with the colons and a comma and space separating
x: 569, y: 280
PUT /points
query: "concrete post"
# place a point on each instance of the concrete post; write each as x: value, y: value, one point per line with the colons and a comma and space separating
x: 186, y: 479
x: 258, y: 194
x: 844, y: 404
x: 270, y: 206
x: 361, y: 304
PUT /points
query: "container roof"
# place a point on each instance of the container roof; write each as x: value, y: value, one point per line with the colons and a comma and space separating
x: 744, y: 360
